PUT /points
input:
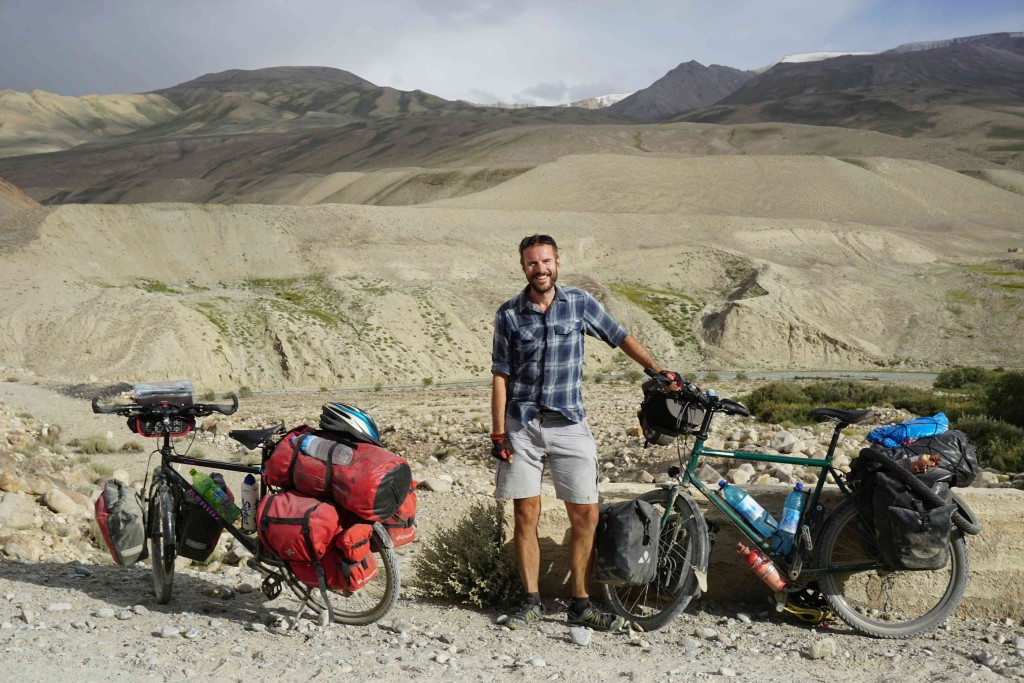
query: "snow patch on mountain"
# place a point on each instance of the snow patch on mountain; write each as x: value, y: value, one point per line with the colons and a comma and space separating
x: 809, y: 57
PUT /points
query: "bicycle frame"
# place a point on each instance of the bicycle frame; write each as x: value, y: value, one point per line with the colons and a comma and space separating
x: 791, y: 566
x: 168, y: 458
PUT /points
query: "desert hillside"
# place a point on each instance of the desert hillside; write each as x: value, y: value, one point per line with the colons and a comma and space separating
x: 738, y: 262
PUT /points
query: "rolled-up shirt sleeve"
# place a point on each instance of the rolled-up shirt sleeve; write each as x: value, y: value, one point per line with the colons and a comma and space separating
x: 500, y: 354
x: 600, y: 324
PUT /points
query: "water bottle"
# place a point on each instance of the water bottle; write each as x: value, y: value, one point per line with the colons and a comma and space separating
x: 320, y: 448
x: 214, y: 495
x: 791, y: 509
x: 762, y: 566
x: 250, y: 497
x: 743, y: 503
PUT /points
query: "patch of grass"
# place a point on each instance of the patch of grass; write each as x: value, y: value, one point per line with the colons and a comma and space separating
x: 209, y: 395
x: 99, y: 470
x: 674, y: 311
x: 93, y: 444
x: 155, y: 286
x: 1000, y: 445
x: 1006, y: 132
x: 427, y: 381
x: 742, y: 376
x: 11, y: 378
x: 132, y: 447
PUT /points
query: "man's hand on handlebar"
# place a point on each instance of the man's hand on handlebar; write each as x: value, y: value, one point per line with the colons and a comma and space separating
x: 674, y: 378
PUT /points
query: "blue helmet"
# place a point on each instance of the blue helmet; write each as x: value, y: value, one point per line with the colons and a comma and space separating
x: 342, y: 418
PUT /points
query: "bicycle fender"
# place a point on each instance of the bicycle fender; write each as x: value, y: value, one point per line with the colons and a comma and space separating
x: 702, y: 548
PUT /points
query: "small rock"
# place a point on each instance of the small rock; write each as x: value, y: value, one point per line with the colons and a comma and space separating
x: 706, y: 633
x: 58, y: 607
x: 192, y: 633
x: 125, y: 615
x: 822, y: 649
x: 435, y: 484
x: 104, y: 613
x: 745, y: 618
x: 169, y: 632
x: 538, y: 662
x: 727, y: 672
x: 581, y: 635
x: 689, y: 643
x: 257, y: 627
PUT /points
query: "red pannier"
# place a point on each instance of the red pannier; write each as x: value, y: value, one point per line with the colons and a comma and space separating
x: 402, y: 527
x: 367, y: 480
x: 348, y: 565
x: 295, y: 527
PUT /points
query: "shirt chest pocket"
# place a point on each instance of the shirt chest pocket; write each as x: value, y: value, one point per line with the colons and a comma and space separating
x: 572, y: 327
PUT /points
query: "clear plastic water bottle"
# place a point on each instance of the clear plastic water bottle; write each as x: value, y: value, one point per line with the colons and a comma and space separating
x: 214, y: 495
x: 320, y: 448
x: 743, y: 503
x: 250, y: 498
x: 791, y: 510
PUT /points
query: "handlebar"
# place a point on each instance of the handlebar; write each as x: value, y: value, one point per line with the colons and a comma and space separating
x: 692, y: 393
x: 169, y: 409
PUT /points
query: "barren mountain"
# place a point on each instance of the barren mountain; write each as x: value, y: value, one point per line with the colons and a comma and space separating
x: 971, y: 90
x: 688, y: 86
x: 37, y: 121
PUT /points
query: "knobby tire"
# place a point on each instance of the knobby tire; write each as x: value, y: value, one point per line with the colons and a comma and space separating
x: 162, y: 547
x: 880, y: 602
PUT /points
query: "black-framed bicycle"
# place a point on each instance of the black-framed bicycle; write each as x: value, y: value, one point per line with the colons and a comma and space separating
x: 836, y: 557
x: 168, y: 494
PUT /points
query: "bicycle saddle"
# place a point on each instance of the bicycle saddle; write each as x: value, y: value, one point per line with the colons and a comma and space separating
x: 848, y: 416
x: 253, y: 438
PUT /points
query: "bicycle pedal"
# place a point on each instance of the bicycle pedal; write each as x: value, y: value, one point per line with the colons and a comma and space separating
x: 271, y: 587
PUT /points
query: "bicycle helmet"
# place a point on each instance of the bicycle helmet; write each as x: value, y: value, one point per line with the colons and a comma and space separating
x: 342, y: 418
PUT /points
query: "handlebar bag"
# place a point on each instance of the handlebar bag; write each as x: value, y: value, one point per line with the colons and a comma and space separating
x: 120, y: 517
x: 198, y: 530
x: 664, y: 417
x: 626, y: 545
x: 296, y: 527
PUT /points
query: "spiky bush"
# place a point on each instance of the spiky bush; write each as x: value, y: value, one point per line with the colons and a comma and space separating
x: 469, y: 562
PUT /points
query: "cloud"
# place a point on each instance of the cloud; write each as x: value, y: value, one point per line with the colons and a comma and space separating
x: 555, y: 92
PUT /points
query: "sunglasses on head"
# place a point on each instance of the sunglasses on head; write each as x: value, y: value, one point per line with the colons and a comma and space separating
x: 534, y: 240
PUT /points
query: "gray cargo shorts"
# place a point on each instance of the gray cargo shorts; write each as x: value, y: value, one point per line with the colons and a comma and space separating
x: 554, y: 440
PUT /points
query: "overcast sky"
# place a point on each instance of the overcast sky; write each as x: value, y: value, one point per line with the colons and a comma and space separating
x: 538, y: 51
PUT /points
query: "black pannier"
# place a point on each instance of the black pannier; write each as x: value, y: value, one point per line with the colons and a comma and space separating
x: 909, y: 534
x: 664, y: 417
x: 199, y: 531
x: 626, y: 545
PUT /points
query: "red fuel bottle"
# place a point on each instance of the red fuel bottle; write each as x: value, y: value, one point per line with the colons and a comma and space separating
x: 762, y: 566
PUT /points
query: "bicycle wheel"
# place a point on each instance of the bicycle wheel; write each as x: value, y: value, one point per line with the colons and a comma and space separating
x: 162, y: 548
x: 882, y: 602
x: 684, y: 540
x: 369, y: 603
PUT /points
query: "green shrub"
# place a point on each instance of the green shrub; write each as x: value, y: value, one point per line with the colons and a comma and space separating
x: 209, y: 395
x: 779, y: 401
x: 427, y: 381
x: 1004, y: 398
x: 742, y: 376
x: 132, y: 447
x: 470, y: 562
x: 711, y: 377
x: 1000, y: 445
x: 244, y: 392
x: 964, y: 378
x: 101, y: 471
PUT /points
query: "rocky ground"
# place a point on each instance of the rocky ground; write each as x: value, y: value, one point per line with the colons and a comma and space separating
x: 66, y: 609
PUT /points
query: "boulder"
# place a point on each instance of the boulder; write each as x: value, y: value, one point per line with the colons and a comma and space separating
x: 60, y: 502
x: 18, y: 512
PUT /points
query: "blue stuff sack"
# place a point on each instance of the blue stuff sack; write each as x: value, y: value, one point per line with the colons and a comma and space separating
x: 892, y: 436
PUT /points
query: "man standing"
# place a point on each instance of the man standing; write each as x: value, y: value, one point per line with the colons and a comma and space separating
x: 537, y: 419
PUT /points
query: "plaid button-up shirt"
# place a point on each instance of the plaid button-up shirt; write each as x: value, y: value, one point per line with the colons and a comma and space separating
x: 542, y: 353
